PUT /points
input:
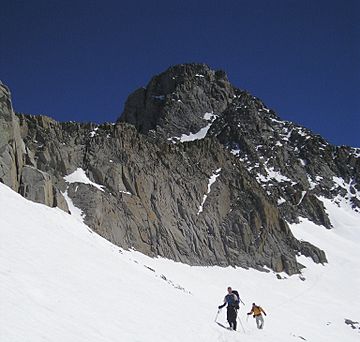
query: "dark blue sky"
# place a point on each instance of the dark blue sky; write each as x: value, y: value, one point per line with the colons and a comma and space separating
x: 79, y: 60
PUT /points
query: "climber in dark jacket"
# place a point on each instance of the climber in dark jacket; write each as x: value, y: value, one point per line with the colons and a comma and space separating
x: 232, y: 300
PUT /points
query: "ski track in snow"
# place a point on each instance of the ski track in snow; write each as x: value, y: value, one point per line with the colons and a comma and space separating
x: 60, y: 283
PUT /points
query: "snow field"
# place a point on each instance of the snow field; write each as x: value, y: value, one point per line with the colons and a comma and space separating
x: 60, y: 282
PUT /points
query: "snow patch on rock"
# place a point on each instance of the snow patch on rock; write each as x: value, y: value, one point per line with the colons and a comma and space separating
x: 79, y: 176
x: 212, y: 180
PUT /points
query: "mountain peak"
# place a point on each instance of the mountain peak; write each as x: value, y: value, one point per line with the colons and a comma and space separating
x: 175, y: 101
x: 225, y: 200
x: 191, y: 70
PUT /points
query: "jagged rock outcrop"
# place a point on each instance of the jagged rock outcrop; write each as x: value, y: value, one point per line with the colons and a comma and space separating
x: 223, y: 197
x: 175, y: 101
x: 17, y: 161
x: 11, y: 144
x: 154, y: 192
x: 293, y: 165
x: 38, y: 186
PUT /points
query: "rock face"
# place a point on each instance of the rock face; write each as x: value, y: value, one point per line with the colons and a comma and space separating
x: 175, y: 101
x: 11, y: 145
x: 222, y: 197
x: 17, y: 160
x: 36, y: 186
x: 294, y: 166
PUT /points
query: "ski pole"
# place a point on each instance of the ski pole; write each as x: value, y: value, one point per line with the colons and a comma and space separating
x: 241, y: 324
x: 217, y: 314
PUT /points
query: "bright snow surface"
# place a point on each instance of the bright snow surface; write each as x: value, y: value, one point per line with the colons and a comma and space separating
x: 201, y: 134
x: 212, y: 180
x: 60, y: 282
x: 79, y: 176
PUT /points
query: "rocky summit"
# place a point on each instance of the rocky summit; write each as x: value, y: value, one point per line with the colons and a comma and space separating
x: 194, y: 169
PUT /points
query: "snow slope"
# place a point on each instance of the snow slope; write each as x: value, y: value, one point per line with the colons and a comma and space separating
x: 61, y: 282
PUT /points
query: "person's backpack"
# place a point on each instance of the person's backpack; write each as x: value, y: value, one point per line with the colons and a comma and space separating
x: 237, y: 302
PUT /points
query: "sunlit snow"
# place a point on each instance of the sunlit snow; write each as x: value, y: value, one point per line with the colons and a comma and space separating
x: 79, y: 176
x: 201, y: 134
x: 60, y: 282
x: 212, y: 180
